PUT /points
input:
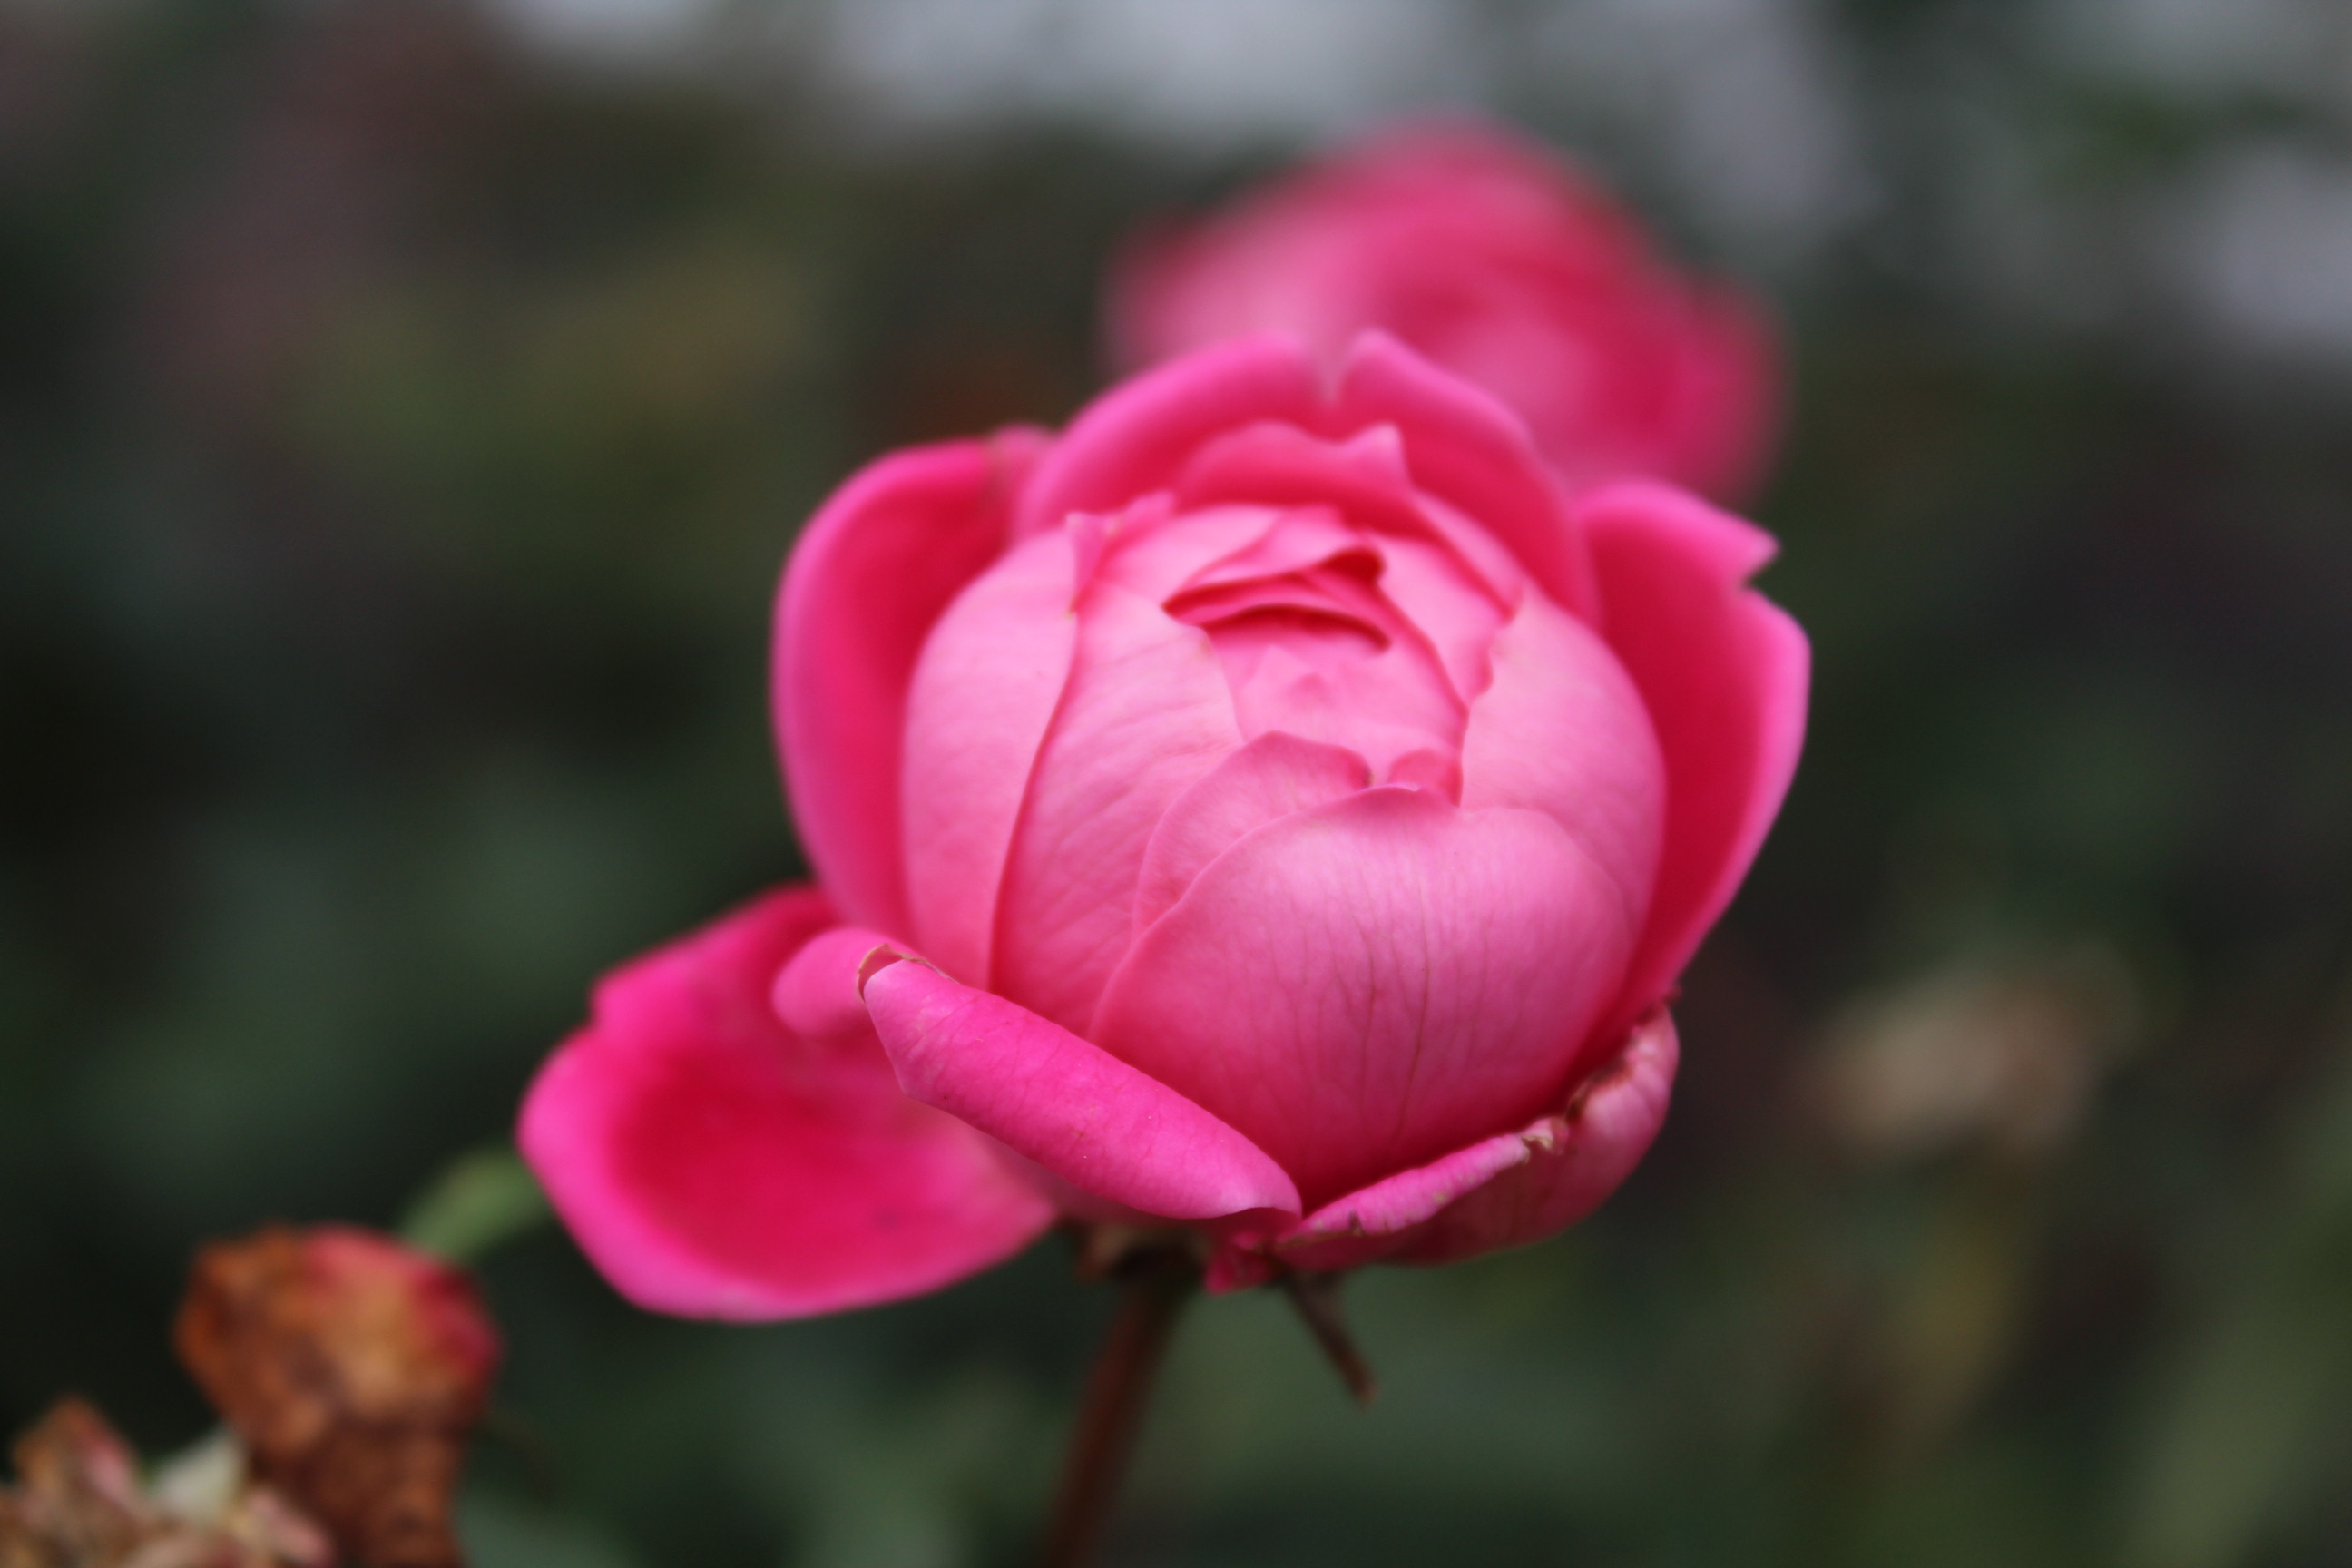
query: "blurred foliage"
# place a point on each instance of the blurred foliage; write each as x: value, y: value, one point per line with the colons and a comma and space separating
x: 399, y: 434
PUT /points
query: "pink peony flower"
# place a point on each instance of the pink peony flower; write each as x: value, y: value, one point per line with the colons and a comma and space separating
x: 1270, y: 806
x: 1500, y: 262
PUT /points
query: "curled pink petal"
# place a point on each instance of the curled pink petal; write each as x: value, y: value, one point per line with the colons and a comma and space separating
x: 1724, y: 674
x: 1575, y: 1159
x: 1069, y: 1105
x: 870, y: 574
x: 713, y: 1164
x: 1396, y: 1204
x: 1499, y: 1192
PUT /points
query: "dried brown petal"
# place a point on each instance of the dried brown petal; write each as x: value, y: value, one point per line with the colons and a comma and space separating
x: 354, y: 1370
x: 77, y: 1503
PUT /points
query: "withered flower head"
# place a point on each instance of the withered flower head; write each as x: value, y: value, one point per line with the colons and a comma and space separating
x: 354, y: 1370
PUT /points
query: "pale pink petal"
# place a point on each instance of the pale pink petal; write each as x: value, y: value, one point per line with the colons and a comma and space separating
x: 1071, y: 1107
x: 1145, y: 712
x: 1467, y: 450
x: 977, y: 709
x: 1324, y: 657
x: 1724, y: 673
x: 1441, y: 597
x: 1561, y: 729
x: 1364, y: 477
x: 1362, y: 985
x: 1294, y: 539
x: 871, y: 573
x: 713, y: 1164
x: 1137, y: 437
x: 1575, y: 1159
x: 1271, y: 777
x: 1157, y: 560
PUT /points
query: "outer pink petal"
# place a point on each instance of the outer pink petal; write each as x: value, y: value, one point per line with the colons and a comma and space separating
x: 714, y: 1165
x: 1502, y: 1191
x: 1575, y: 1159
x: 1071, y: 1107
x: 1725, y: 673
x: 1147, y: 711
x: 1362, y: 985
x: 871, y: 573
x: 982, y: 694
x: 1137, y: 437
x: 1468, y: 449
x: 1376, y: 1218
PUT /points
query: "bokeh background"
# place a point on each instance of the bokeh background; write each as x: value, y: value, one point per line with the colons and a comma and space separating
x: 405, y: 406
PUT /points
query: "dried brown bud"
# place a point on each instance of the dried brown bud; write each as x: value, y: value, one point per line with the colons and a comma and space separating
x: 354, y: 1370
x: 2001, y: 1056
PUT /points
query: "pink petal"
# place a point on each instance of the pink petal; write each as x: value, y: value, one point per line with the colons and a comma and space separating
x: 1362, y: 985
x: 1724, y: 673
x: 1576, y: 1158
x: 1561, y: 729
x: 1503, y: 1191
x: 871, y: 573
x: 1364, y: 478
x: 976, y: 711
x: 1470, y: 452
x: 1147, y: 711
x: 815, y: 995
x: 1273, y: 775
x: 1376, y: 1216
x: 1727, y: 413
x: 1361, y: 474
x: 712, y: 1163
x: 1137, y: 437
x: 1075, y: 1110
x: 1447, y: 604
x: 1156, y: 560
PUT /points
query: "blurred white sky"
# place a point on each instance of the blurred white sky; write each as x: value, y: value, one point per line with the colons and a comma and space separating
x: 1742, y: 109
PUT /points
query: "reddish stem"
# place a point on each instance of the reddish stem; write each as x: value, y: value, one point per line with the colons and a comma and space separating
x: 1154, y: 1290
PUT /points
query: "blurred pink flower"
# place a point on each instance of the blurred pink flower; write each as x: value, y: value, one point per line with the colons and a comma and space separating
x: 1272, y: 807
x: 1500, y: 262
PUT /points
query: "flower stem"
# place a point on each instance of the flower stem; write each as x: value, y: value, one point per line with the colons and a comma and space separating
x: 1154, y: 1288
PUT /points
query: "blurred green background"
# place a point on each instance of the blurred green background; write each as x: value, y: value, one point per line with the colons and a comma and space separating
x: 405, y: 406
